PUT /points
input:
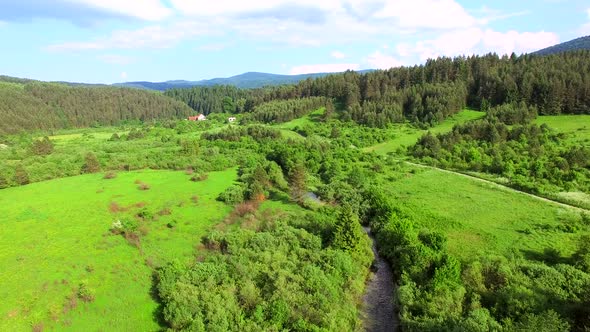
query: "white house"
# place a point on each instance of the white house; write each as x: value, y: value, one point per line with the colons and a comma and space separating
x: 200, y: 117
x: 231, y: 119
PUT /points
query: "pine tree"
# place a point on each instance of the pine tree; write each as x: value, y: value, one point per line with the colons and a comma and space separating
x: 348, y: 233
x: 298, y: 183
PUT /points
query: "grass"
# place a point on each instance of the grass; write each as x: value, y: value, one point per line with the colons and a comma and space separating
x: 406, y: 135
x: 302, y: 121
x: 576, y: 127
x: 55, y: 235
x: 480, y: 218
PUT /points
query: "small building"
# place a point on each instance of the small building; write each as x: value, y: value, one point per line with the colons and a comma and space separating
x: 200, y: 117
x: 231, y: 119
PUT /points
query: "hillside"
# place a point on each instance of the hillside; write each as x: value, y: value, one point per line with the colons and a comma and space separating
x: 38, y: 105
x: 582, y: 43
x: 246, y: 81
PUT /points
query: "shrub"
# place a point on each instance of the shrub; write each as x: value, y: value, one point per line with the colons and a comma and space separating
x: 110, y: 175
x: 144, y: 186
x: 85, y: 293
x: 165, y: 212
x: 246, y: 208
x: 91, y: 163
x: 145, y: 214
x: 232, y: 195
x: 21, y: 176
x: 199, y: 177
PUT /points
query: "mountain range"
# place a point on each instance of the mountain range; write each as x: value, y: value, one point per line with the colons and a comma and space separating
x: 256, y: 79
x: 246, y: 81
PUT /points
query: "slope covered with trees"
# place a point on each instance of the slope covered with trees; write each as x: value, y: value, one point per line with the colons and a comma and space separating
x: 426, y: 94
x: 37, y: 105
x: 582, y: 43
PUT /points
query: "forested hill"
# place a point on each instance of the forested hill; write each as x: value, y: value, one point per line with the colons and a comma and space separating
x: 423, y: 94
x: 29, y: 105
x: 582, y: 43
x: 245, y: 81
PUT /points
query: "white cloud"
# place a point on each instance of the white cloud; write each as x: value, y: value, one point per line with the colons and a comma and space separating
x: 149, y: 37
x: 116, y: 59
x: 150, y: 10
x: 124, y: 75
x: 444, y: 26
x: 324, y: 68
x: 433, y: 14
x: 479, y: 41
x: 517, y: 42
x: 379, y: 60
x: 231, y: 7
x: 338, y: 55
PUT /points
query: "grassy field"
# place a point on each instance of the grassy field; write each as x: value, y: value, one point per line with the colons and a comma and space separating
x: 302, y: 121
x: 55, y: 235
x: 482, y: 219
x: 406, y: 135
x: 577, y: 127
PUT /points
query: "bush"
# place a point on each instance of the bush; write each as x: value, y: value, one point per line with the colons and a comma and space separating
x: 245, y: 208
x: 144, y: 186
x: 199, y: 177
x: 232, y: 195
x: 110, y: 175
x: 85, y: 293
x: 91, y: 163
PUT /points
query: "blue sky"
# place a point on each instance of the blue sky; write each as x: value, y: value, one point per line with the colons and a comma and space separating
x: 107, y: 41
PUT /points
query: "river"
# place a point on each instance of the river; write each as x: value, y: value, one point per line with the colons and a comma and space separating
x: 378, y: 305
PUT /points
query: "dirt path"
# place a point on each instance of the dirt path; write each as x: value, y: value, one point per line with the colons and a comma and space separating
x: 500, y: 186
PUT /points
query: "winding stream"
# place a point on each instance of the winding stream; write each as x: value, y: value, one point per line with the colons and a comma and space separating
x: 379, y: 311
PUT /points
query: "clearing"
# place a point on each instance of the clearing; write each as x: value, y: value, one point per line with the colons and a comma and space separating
x: 481, y: 218
x: 405, y: 135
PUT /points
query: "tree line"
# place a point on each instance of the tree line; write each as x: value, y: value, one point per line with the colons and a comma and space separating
x: 48, y: 106
x: 425, y: 94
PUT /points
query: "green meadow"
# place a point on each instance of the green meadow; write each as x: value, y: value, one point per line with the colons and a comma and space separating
x: 308, y: 119
x: 56, y: 235
x: 406, y: 135
x: 576, y: 127
x: 481, y: 218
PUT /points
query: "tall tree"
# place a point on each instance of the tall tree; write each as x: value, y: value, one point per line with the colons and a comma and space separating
x: 298, y: 183
x: 348, y: 232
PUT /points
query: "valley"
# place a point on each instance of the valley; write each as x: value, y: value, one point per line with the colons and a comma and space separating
x: 117, y: 217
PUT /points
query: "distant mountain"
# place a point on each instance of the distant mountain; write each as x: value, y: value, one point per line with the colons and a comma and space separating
x: 582, y: 43
x: 246, y: 81
x: 18, y: 80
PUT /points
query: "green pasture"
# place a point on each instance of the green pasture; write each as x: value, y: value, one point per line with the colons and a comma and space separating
x: 480, y: 218
x: 406, y: 135
x: 55, y: 235
x: 576, y: 127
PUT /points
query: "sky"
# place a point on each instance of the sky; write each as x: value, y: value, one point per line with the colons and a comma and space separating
x: 108, y: 41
